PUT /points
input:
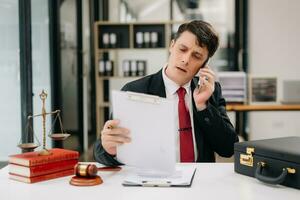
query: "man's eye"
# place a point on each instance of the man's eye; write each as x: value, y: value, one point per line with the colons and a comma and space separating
x: 197, y: 57
x: 182, y: 49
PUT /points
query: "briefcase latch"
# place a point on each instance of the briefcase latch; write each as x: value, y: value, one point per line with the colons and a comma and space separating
x: 247, y: 159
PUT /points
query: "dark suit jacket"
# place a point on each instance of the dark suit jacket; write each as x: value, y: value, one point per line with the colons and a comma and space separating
x: 212, y: 127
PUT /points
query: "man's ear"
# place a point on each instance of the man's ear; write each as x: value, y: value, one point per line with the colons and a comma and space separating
x: 171, y: 44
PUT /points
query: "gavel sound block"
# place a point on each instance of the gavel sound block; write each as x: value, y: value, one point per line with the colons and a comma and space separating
x: 86, y: 174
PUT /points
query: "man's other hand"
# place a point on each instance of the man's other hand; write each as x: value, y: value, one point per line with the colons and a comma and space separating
x: 112, y: 136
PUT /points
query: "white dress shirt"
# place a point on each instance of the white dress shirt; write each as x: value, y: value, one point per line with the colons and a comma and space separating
x: 171, y: 93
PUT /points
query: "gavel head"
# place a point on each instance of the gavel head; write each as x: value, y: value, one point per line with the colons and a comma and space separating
x: 85, y: 170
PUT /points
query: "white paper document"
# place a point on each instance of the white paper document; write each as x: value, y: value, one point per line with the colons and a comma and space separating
x: 151, y: 121
x: 182, y: 177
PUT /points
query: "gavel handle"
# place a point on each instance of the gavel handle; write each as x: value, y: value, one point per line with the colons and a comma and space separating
x: 111, y: 169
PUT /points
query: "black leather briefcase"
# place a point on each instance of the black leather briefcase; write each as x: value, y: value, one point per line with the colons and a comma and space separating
x: 273, y: 161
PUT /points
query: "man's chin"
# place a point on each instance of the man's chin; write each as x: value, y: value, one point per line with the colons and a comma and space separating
x: 180, y: 77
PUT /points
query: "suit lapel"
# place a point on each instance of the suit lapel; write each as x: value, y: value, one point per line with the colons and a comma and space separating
x: 157, y: 86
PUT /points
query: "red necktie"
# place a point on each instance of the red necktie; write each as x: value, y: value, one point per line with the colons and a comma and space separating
x: 185, y: 129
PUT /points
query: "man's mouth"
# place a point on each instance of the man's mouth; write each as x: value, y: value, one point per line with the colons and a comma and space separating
x: 181, y: 69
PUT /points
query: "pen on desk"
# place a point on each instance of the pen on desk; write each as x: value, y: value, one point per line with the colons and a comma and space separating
x: 156, y: 183
x: 111, y: 169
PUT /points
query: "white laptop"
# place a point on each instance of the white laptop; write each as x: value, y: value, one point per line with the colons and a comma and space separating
x: 291, y: 92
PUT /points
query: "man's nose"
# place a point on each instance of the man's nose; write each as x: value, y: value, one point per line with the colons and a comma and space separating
x: 185, y: 59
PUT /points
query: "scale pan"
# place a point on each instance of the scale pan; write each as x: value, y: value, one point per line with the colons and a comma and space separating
x: 59, y: 136
x: 28, y: 146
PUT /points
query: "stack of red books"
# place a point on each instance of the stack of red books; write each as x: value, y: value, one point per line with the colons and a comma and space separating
x: 31, y: 167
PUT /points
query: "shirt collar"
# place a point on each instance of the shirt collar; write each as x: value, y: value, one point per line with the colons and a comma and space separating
x: 171, y: 86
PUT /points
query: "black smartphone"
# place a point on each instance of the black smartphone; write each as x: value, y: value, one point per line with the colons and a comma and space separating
x: 198, y: 84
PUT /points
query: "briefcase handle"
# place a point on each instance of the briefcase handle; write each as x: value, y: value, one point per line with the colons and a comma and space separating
x: 272, y: 180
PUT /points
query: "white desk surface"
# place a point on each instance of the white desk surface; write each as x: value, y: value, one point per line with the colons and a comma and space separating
x: 211, y: 181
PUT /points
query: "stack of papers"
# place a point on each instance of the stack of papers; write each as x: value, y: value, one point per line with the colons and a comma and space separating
x: 182, y: 177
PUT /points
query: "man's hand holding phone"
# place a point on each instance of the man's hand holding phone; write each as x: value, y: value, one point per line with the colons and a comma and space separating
x: 205, y: 88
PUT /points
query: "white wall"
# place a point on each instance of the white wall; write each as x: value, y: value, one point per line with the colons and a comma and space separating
x: 157, y: 11
x: 274, y: 39
x: 114, y: 10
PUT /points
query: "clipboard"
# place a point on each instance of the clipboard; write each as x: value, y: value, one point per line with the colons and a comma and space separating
x: 151, y: 121
x: 182, y: 177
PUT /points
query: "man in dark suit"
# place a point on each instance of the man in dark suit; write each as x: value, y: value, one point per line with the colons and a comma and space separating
x: 203, y: 125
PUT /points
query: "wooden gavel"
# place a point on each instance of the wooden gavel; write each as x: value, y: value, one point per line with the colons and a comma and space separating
x: 90, y: 170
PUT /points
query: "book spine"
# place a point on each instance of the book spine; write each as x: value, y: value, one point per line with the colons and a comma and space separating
x: 42, y: 169
x: 54, y: 158
x: 41, y: 178
x: 53, y: 167
x: 33, y: 158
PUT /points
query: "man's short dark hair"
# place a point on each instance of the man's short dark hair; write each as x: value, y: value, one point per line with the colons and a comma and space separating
x: 205, y: 33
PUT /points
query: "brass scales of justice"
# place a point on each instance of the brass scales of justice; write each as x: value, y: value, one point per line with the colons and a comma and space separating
x: 30, y: 146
